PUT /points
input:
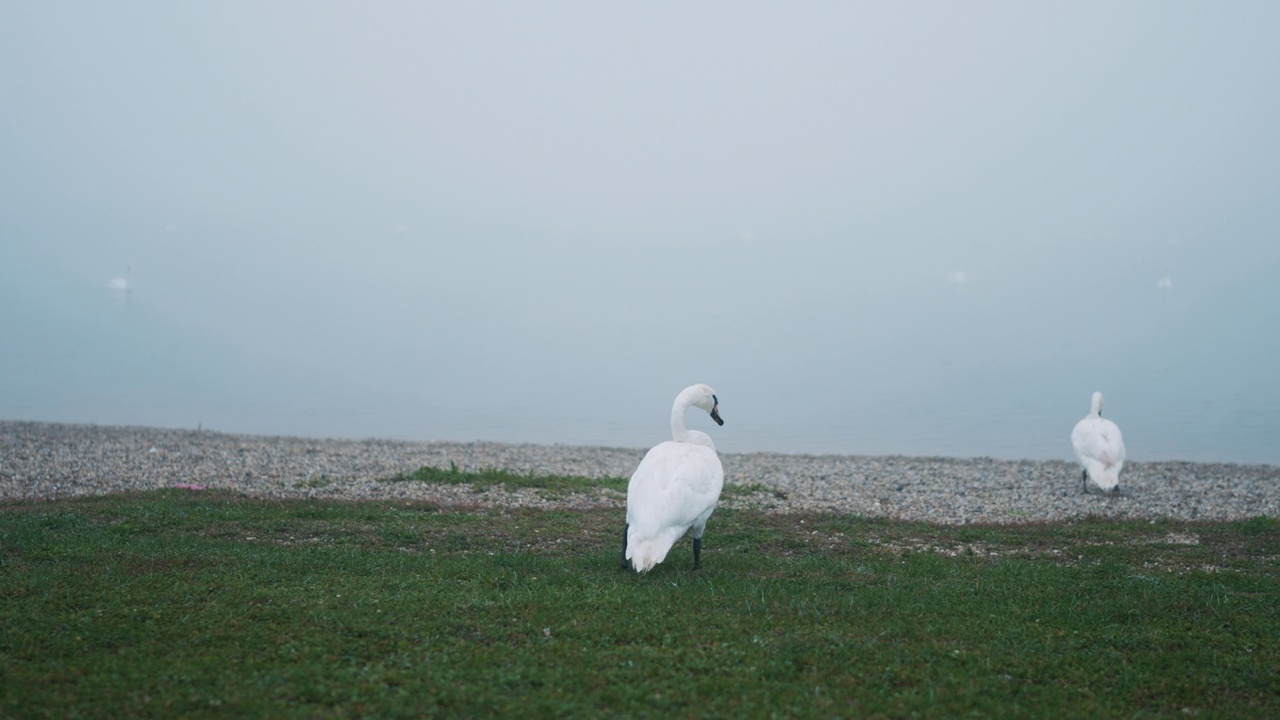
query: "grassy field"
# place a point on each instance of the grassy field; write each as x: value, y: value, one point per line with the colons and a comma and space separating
x: 212, y: 604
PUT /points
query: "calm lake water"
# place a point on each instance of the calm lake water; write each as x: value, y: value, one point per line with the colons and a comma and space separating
x: 1001, y: 365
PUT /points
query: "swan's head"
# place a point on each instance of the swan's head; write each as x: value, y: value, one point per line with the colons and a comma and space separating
x: 702, y: 396
x: 1097, y: 403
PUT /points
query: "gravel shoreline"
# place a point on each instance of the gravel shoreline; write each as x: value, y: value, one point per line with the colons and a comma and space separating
x: 49, y: 460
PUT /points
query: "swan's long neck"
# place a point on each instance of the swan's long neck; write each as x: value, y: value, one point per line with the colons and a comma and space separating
x: 678, y: 430
x: 1096, y: 410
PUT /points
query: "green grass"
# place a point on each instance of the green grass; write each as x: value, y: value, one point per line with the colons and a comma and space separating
x: 507, y: 480
x: 210, y: 604
x: 546, y: 485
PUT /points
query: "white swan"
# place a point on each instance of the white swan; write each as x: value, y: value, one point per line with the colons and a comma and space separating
x: 675, y: 487
x: 1100, y: 448
x: 121, y: 284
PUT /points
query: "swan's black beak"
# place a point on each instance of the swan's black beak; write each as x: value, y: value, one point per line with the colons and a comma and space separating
x: 715, y: 414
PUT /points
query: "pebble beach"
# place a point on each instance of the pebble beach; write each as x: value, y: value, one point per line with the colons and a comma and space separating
x: 49, y: 460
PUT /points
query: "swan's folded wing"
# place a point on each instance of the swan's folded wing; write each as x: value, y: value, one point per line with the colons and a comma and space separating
x: 1079, y: 442
x: 1114, y: 441
x: 1098, y: 440
x: 674, y: 484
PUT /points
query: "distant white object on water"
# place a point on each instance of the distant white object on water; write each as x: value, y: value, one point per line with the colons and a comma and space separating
x: 1100, y: 449
x: 121, y: 284
x: 1165, y: 282
x: 675, y: 488
x: 958, y: 278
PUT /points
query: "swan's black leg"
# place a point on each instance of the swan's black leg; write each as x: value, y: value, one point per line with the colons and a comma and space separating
x: 1084, y: 479
x: 697, y: 553
x: 625, y: 528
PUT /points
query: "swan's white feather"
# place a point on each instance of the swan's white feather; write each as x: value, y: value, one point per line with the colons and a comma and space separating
x: 1099, y: 447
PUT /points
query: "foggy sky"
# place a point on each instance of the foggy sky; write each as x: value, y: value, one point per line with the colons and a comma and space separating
x: 539, y: 221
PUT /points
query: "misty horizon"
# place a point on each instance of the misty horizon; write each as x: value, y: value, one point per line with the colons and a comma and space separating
x: 916, y: 229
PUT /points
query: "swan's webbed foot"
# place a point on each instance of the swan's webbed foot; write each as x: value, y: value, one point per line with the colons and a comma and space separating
x: 625, y: 529
x: 697, y: 553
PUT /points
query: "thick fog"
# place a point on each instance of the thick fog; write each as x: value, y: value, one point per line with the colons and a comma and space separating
x: 920, y: 228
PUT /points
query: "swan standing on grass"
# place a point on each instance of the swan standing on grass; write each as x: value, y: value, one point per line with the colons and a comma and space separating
x: 1100, y: 449
x: 675, y: 487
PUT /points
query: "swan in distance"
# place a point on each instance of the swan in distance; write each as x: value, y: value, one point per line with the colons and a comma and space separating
x: 121, y: 284
x: 1100, y: 448
x: 675, y: 488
